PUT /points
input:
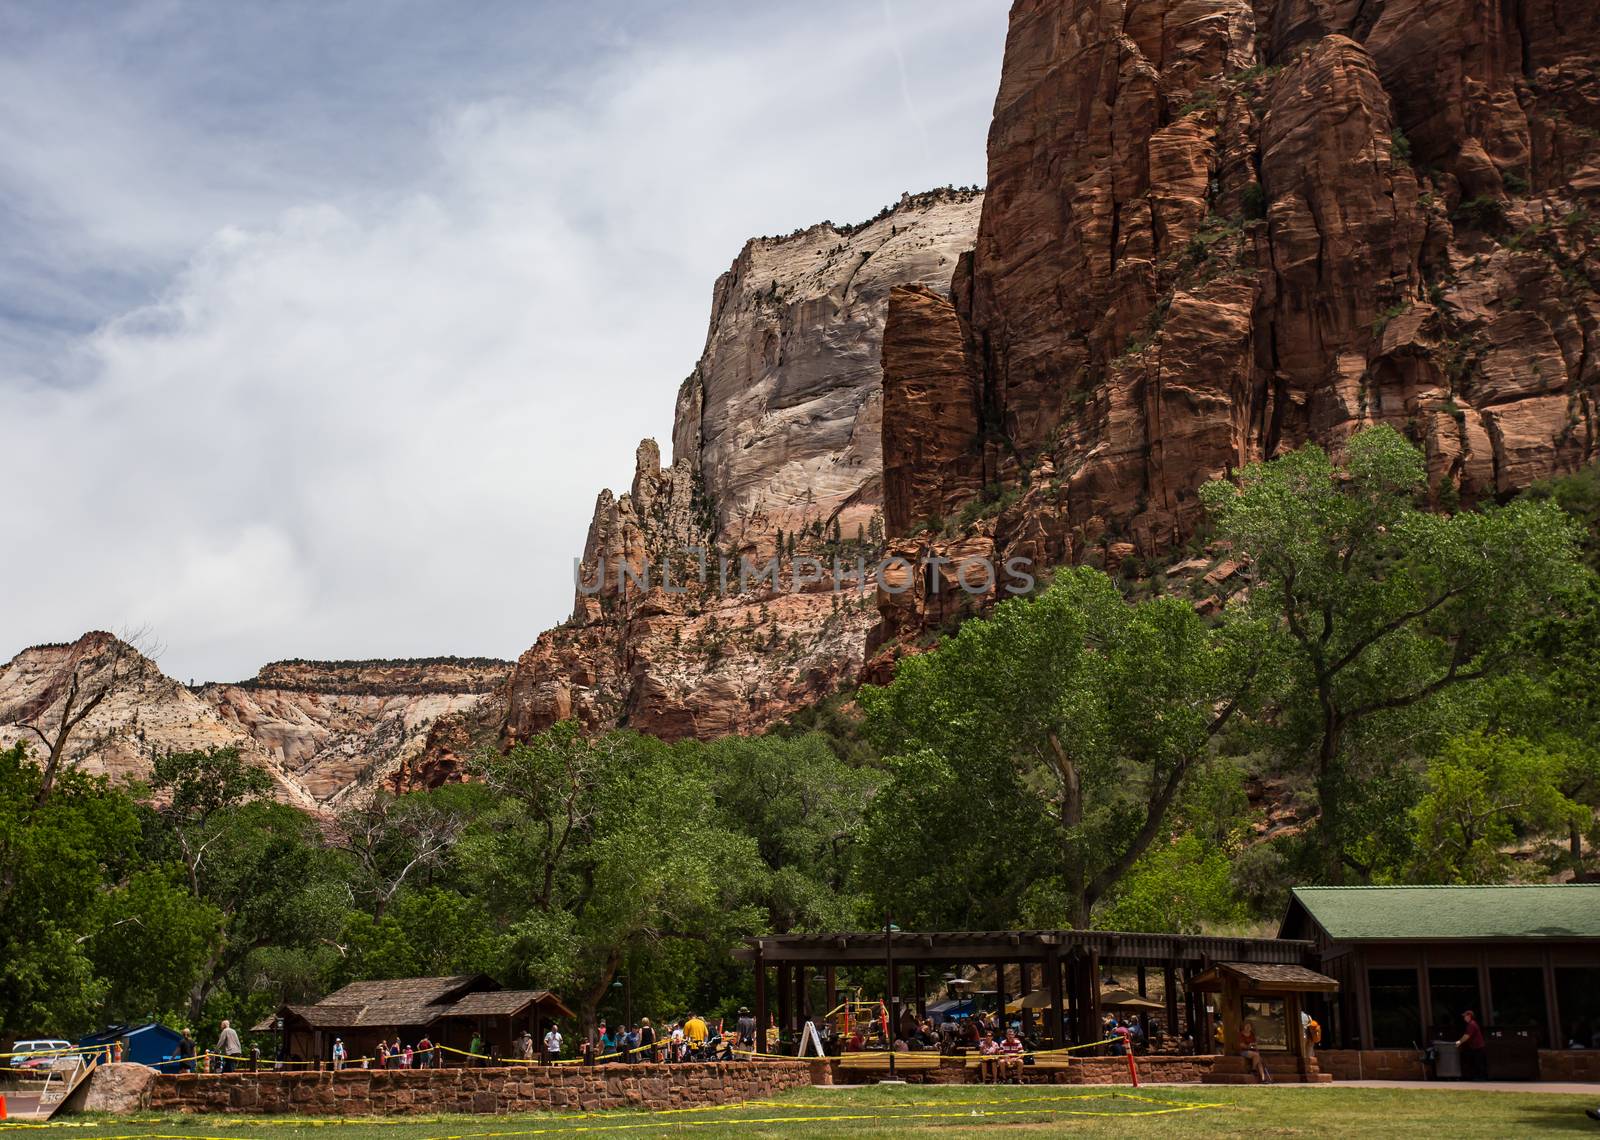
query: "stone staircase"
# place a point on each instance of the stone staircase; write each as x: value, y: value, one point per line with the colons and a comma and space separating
x: 1285, y: 1069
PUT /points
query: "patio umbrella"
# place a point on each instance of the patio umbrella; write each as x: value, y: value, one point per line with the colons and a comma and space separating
x: 1123, y: 999
x: 1038, y: 999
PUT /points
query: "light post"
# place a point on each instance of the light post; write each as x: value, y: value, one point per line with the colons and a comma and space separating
x: 625, y: 985
x: 888, y: 984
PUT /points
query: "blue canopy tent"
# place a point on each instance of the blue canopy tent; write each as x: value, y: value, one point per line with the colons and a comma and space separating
x: 152, y: 1044
x: 952, y: 1010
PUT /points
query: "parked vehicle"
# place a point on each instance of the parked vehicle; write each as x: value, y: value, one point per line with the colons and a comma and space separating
x: 40, y: 1052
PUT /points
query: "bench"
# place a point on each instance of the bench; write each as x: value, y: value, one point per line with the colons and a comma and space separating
x: 1040, y: 1068
x: 877, y: 1064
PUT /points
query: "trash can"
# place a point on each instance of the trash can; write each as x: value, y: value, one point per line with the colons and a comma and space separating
x: 1446, y: 1061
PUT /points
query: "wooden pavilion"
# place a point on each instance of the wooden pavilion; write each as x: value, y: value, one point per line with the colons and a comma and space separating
x: 1066, y: 965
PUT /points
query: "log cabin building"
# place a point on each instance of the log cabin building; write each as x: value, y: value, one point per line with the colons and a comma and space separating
x: 448, y: 1010
x: 1410, y: 960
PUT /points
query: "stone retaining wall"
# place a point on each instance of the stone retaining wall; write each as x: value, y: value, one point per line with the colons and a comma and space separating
x: 1406, y: 1064
x: 1371, y: 1064
x: 1569, y: 1064
x: 1082, y: 1071
x: 372, y: 1092
x: 1156, y: 1070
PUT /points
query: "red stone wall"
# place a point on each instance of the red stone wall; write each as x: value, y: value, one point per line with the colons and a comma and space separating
x: 1114, y: 1070
x: 370, y: 1092
x: 1081, y: 1071
x: 1569, y: 1064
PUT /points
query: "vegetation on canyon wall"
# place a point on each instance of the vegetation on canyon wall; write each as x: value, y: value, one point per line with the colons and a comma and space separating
x: 1423, y: 689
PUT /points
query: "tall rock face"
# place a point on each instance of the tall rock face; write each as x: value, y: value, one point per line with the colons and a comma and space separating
x: 1217, y: 229
x: 777, y: 451
x: 329, y: 733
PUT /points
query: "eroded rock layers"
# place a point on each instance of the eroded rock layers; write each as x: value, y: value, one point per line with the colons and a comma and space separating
x: 1216, y: 229
x: 777, y: 450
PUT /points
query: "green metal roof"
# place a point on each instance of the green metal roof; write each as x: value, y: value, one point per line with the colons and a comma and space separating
x: 1355, y: 914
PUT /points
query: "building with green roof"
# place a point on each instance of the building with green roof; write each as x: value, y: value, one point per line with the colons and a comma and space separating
x: 1410, y: 960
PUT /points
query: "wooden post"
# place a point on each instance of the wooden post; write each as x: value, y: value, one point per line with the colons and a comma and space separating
x: 1073, y: 996
x: 921, y: 995
x: 1231, y: 1000
x: 1058, y: 1015
x: 802, y: 994
x: 761, y: 1004
x: 1552, y: 1004
x: 830, y: 987
x: 1294, y: 1035
x: 785, y: 993
x: 1094, y: 995
x: 1364, y: 1003
x: 1169, y: 978
x: 1025, y: 985
x: 1142, y: 992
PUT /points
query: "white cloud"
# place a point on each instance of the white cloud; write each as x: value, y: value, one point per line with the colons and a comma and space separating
x: 365, y: 418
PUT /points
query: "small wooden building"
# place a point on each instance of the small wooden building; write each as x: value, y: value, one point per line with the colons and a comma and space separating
x: 449, y: 1011
x: 1410, y: 960
x: 1272, y: 998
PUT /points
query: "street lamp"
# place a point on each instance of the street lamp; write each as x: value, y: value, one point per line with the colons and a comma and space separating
x: 888, y: 984
x: 624, y: 984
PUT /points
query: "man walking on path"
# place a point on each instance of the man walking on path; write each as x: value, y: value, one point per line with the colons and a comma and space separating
x: 1474, y: 1055
x: 228, y: 1045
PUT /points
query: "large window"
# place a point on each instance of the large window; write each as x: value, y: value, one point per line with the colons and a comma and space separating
x: 1578, y: 993
x: 1266, y: 1016
x: 1396, y: 1008
x: 1453, y: 990
x: 1518, y: 993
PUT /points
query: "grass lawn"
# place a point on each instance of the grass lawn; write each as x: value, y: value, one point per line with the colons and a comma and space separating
x: 931, y: 1110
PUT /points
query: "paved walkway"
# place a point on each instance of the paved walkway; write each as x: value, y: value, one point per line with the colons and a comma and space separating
x: 1590, y: 1087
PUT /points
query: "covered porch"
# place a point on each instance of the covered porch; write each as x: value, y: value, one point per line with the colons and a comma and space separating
x: 1272, y: 998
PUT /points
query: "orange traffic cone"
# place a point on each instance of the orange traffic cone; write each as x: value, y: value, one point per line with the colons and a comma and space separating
x: 2, y: 1106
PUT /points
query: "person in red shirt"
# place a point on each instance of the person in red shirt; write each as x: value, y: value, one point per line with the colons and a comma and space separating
x: 1474, y: 1055
x: 1011, y: 1057
x: 1251, y: 1052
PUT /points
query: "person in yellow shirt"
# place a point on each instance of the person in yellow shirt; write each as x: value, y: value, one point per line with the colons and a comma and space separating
x: 695, y: 1030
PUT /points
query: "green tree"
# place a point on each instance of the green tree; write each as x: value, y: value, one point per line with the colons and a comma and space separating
x: 1483, y: 795
x: 1382, y: 607
x: 1102, y: 705
x: 58, y: 852
x: 152, y: 942
x: 1554, y: 700
x: 396, y: 839
x: 960, y: 845
x: 1178, y: 888
x: 597, y: 847
x: 803, y: 807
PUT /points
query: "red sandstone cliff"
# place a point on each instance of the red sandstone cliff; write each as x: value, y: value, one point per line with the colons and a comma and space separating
x: 778, y: 439
x: 1215, y: 229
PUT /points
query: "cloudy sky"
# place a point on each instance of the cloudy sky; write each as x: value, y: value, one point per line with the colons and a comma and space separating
x: 322, y: 324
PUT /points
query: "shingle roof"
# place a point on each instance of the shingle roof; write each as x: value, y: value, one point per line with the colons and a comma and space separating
x: 389, y: 1002
x: 503, y: 1003
x: 421, y: 991
x: 1537, y: 911
x: 1262, y: 977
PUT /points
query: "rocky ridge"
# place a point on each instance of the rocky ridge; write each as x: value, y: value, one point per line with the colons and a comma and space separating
x: 328, y: 732
x: 1214, y: 230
